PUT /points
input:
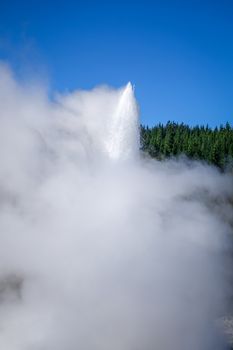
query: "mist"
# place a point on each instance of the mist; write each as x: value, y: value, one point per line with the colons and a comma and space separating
x: 102, y: 247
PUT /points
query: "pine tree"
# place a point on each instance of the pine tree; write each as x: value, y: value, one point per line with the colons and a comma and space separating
x: 199, y: 142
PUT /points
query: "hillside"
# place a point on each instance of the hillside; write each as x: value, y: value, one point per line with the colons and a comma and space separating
x: 214, y: 146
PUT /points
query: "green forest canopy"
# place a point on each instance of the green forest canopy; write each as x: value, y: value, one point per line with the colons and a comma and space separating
x: 214, y: 146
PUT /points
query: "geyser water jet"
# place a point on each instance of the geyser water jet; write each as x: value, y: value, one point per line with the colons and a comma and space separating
x: 123, y: 139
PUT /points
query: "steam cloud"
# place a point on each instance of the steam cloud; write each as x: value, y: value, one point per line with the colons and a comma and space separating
x: 101, y: 248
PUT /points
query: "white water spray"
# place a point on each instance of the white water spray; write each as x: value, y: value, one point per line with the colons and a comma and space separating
x: 123, y: 140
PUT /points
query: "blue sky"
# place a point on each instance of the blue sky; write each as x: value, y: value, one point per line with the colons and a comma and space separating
x: 179, y: 54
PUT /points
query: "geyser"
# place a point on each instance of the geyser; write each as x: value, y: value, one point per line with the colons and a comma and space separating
x: 98, y: 254
x: 123, y: 139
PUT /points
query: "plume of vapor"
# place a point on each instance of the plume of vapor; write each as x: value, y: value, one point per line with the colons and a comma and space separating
x: 99, y: 248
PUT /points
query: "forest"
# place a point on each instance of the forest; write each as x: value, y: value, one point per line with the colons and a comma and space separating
x: 214, y: 146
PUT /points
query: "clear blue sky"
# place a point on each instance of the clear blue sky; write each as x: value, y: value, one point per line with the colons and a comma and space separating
x: 179, y: 54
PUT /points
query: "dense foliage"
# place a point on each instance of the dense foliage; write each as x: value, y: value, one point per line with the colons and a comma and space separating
x: 200, y: 142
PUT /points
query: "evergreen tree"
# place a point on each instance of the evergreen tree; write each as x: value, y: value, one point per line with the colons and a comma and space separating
x: 199, y: 142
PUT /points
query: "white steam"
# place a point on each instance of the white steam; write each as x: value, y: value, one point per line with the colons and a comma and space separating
x: 98, y: 253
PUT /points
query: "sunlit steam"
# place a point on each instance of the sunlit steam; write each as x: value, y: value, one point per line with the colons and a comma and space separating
x: 97, y: 253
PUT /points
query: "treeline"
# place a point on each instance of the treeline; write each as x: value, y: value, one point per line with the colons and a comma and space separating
x: 214, y: 146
